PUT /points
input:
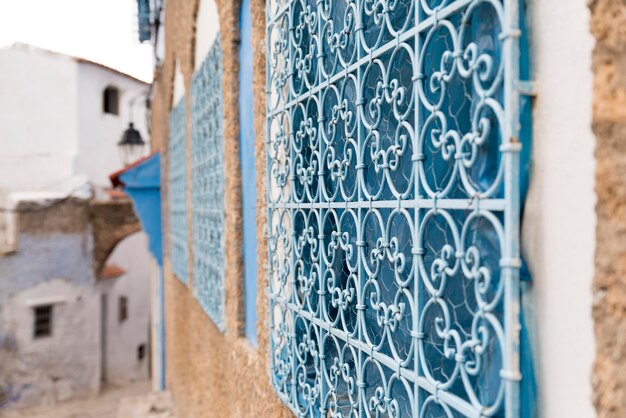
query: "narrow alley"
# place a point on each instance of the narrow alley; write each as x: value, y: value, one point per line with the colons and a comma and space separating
x: 132, y: 401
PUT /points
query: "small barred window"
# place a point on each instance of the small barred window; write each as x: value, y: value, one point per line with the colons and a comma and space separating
x: 111, y: 100
x: 42, y: 323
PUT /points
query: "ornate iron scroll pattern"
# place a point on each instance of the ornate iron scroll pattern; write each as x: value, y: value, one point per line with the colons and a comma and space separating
x: 178, y: 191
x: 207, y: 173
x: 393, y: 207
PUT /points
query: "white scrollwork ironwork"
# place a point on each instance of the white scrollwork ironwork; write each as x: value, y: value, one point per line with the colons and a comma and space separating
x: 207, y: 189
x: 178, y: 190
x: 394, y: 207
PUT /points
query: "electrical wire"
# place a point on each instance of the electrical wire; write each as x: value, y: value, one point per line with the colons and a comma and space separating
x: 44, y: 207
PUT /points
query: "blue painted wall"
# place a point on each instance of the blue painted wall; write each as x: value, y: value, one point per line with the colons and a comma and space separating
x: 248, y: 169
x: 44, y: 257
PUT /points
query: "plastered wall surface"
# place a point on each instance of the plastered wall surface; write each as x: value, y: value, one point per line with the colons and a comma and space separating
x: 73, y: 141
x: 67, y: 364
x: 73, y: 135
x: 179, y: 85
x: 57, y: 368
x: 209, y: 373
x: 157, y: 330
x: 43, y: 248
x: 25, y: 78
x: 558, y: 235
x: 608, y: 25
x: 54, y: 263
x: 207, y: 29
x: 99, y: 132
x: 123, y: 338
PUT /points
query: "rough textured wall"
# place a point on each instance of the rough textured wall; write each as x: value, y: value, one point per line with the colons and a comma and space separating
x: 608, y: 24
x: 209, y: 373
x: 42, y: 218
x: 112, y: 221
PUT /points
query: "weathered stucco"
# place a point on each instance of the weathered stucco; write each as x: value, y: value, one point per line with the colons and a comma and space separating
x: 44, y: 247
x: 52, y: 265
x: 608, y: 25
x: 50, y: 369
x: 62, y: 141
x: 112, y: 220
x: 212, y: 373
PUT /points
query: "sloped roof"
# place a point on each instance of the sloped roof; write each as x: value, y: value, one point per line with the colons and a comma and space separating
x: 28, y: 47
x: 115, y: 177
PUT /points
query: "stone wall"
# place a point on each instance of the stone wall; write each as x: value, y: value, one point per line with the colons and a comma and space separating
x: 608, y: 25
x: 112, y: 220
x: 212, y: 373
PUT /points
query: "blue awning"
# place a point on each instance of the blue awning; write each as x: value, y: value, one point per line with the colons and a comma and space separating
x: 142, y: 183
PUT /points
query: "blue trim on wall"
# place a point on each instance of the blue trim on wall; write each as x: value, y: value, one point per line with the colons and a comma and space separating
x: 248, y: 170
x: 528, y: 389
x: 144, y: 27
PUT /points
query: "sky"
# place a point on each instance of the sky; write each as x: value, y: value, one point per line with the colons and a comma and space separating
x: 104, y: 31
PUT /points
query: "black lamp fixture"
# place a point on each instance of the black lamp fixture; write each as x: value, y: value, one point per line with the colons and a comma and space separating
x: 131, y: 146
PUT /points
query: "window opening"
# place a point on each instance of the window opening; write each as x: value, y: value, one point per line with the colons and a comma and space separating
x: 393, y: 206
x: 42, y: 325
x: 123, y: 308
x: 111, y: 100
x: 141, y: 352
x: 207, y: 172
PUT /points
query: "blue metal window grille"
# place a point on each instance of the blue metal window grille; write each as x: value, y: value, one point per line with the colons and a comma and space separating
x: 178, y: 191
x: 248, y: 169
x: 393, y: 194
x: 143, y: 20
x: 207, y: 174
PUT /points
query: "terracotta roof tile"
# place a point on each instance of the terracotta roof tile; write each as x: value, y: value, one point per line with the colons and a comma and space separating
x: 111, y: 271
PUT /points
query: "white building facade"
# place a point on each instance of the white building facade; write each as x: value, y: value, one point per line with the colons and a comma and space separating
x: 65, y: 331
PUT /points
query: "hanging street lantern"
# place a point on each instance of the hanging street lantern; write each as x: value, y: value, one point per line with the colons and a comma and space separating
x: 131, y: 146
